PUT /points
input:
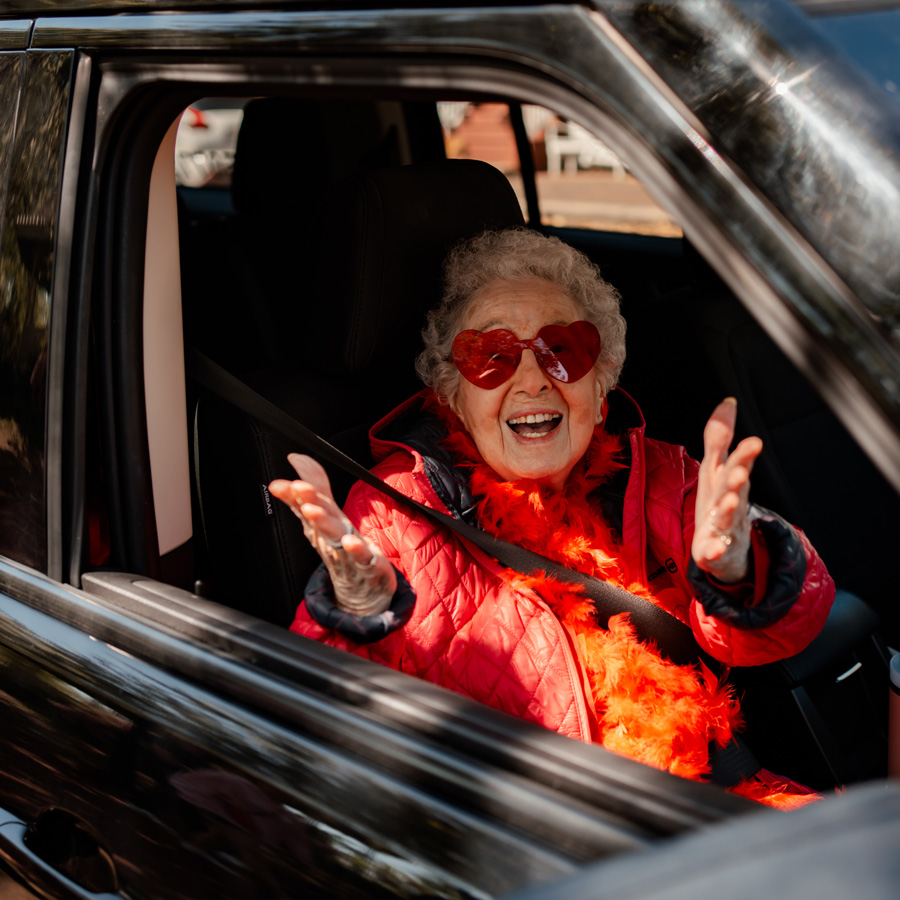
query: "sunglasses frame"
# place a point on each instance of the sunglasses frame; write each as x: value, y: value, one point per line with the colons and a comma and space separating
x: 582, y: 336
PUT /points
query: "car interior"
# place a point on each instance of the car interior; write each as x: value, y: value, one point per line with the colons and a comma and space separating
x: 305, y: 268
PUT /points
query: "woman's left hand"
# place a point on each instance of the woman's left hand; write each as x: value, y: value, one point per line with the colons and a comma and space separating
x: 721, y: 545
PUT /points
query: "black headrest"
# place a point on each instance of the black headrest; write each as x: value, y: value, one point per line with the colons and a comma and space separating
x: 387, y: 234
x: 290, y: 150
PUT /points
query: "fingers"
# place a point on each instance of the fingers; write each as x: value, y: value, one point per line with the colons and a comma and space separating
x: 292, y: 492
x: 722, y: 471
x: 358, y: 550
x: 745, y: 454
x: 719, y: 431
x: 310, y: 497
x: 731, y: 483
x: 311, y: 472
x: 313, y: 485
x: 363, y: 578
x: 722, y: 527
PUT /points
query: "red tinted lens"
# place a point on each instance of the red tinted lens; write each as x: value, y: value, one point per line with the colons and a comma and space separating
x: 567, y: 352
x: 488, y: 358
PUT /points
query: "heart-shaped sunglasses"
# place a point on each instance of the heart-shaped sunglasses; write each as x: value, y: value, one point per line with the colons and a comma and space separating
x: 490, y: 358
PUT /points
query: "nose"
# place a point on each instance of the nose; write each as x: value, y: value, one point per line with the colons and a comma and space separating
x: 530, y: 377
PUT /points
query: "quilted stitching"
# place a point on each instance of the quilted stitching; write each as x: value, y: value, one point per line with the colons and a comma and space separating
x: 475, y: 634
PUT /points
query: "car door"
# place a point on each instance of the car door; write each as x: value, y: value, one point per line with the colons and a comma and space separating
x: 166, y: 745
x: 160, y: 745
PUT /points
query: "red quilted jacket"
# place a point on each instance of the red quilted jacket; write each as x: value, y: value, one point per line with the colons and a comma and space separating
x: 473, y: 632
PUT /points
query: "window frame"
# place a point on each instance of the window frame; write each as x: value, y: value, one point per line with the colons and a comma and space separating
x: 140, y: 98
x: 602, y: 83
x: 301, y: 685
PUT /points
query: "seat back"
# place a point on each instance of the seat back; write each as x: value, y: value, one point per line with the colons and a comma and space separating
x: 700, y: 345
x: 245, y: 262
x: 353, y: 336
x: 812, y: 471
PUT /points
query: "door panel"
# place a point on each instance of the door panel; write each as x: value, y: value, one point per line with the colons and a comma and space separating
x: 196, y: 768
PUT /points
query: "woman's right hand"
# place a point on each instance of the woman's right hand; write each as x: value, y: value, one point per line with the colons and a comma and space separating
x: 363, y: 578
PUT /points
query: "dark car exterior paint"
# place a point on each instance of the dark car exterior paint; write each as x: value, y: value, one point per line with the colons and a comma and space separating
x: 182, y: 749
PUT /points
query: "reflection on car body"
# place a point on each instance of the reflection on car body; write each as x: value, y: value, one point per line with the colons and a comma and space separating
x: 164, y: 735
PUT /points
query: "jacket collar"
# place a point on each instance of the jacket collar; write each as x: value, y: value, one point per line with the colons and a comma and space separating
x: 410, y: 428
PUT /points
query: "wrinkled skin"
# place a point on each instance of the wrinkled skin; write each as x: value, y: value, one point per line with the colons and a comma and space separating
x: 523, y: 306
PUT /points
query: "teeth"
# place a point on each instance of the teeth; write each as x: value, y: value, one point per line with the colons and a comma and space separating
x: 534, y: 419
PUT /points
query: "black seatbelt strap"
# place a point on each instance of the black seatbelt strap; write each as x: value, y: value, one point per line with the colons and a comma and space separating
x: 673, y: 638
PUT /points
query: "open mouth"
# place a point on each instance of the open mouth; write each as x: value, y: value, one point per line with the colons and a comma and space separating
x: 536, y: 425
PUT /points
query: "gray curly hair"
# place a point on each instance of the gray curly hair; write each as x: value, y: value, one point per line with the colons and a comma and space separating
x: 517, y: 253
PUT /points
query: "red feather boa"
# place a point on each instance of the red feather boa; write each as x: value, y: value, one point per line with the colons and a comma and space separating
x: 645, y: 706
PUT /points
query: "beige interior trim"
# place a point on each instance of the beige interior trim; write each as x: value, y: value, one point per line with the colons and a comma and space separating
x: 164, y: 382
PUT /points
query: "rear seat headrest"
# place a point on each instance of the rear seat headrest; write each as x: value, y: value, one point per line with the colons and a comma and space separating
x: 387, y: 234
x: 289, y: 150
x: 263, y: 180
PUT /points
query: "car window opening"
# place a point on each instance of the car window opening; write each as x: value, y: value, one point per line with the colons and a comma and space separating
x: 580, y: 182
x: 229, y: 218
x: 238, y: 223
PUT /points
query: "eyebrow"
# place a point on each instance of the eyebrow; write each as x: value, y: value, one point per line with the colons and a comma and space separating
x: 494, y: 323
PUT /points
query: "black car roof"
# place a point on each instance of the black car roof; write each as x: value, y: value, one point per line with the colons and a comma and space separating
x: 43, y: 8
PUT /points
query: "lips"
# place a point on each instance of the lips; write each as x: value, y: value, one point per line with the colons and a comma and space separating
x: 534, y: 425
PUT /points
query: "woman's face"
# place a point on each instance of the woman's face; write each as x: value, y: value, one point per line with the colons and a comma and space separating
x: 512, y: 447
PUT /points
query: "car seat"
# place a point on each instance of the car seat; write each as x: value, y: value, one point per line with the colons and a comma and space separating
x: 245, y: 262
x: 353, y: 337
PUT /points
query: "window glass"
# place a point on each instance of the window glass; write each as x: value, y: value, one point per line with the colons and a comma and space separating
x: 26, y: 263
x: 10, y: 73
x: 581, y: 183
x: 872, y: 41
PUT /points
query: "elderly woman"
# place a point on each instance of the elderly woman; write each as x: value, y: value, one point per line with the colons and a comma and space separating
x: 521, y: 432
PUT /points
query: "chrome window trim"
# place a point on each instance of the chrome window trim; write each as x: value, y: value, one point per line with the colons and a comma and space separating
x: 69, y: 348
x: 15, y: 34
